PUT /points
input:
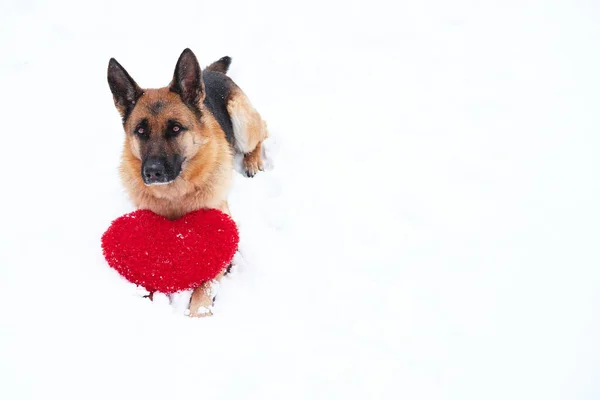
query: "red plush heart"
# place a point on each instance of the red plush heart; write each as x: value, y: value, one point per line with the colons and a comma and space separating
x: 169, y: 256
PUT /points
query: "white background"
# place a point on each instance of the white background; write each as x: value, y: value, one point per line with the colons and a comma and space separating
x: 428, y: 228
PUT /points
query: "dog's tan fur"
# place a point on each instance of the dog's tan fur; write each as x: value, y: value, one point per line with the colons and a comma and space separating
x: 206, y: 174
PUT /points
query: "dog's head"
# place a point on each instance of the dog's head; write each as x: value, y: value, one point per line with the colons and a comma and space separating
x: 163, y: 127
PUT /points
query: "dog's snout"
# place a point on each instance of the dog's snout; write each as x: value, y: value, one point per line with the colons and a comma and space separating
x: 154, y: 170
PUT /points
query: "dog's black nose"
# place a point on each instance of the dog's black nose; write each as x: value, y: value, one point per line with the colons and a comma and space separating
x: 154, y: 170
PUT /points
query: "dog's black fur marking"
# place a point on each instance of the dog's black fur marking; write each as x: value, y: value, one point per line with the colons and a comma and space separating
x: 156, y: 107
x: 218, y: 89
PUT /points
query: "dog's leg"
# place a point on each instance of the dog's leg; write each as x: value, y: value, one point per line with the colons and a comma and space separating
x: 203, y: 297
x: 249, y: 130
x: 253, y: 161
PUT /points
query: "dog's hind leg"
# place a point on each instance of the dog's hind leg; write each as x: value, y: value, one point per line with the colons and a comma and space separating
x: 249, y: 130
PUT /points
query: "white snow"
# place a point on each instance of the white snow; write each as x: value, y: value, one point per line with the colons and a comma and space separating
x: 428, y: 227
x: 180, y: 301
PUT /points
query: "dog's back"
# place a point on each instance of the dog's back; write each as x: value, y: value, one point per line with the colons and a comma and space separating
x: 219, y: 88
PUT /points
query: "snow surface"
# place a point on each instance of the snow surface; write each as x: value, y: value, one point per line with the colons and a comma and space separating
x: 428, y: 229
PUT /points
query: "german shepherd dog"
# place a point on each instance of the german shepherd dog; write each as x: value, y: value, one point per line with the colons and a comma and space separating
x: 180, y: 142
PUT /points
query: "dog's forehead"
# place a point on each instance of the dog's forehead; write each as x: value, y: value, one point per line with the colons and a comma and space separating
x: 159, y: 105
x: 156, y: 101
x: 156, y: 107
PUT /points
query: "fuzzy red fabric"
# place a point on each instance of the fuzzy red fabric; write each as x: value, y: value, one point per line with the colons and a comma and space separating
x: 169, y: 256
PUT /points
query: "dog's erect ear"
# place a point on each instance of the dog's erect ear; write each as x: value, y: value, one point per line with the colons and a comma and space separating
x: 124, y: 89
x: 187, y: 80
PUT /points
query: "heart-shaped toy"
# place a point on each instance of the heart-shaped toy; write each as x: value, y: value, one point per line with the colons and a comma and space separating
x: 169, y: 256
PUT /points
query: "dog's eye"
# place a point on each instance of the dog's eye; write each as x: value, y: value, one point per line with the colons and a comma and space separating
x: 173, y: 129
x: 142, y: 130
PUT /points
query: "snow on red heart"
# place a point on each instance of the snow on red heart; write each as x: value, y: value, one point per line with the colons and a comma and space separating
x: 170, y: 255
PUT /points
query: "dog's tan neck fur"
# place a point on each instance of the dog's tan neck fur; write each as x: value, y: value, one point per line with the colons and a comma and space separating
x: 204, y: 182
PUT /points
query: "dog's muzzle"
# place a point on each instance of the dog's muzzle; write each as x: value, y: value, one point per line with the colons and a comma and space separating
x: 158, y: 170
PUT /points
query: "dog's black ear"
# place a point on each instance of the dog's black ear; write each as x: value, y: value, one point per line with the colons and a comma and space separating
x: 187, y: 80
x: 124, y: 89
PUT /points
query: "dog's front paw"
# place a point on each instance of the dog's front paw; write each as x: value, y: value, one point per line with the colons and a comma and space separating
x: 200, y: 312
x: 253, y: 163
x: 202, y: 300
